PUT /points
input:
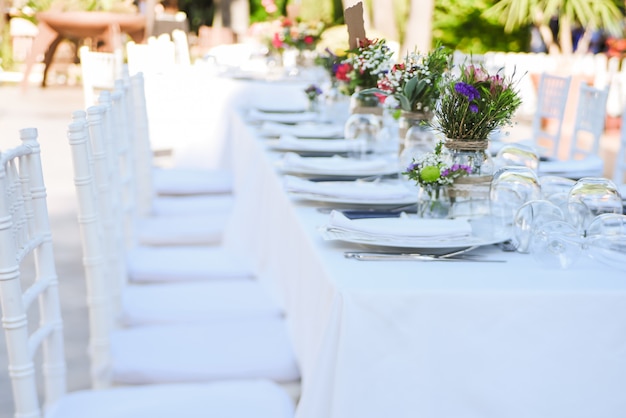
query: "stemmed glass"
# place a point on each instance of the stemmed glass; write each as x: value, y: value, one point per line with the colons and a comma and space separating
x: 598, y: 195
x: 517, y: 155
x: 511, y: 187
x: 530, y: 217
x: 593, y: 226
x: 606, y: 239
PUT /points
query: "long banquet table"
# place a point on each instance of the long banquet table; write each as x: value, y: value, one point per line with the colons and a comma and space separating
x: 423, y: 339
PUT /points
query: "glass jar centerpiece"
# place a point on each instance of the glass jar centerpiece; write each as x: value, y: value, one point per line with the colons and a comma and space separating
x: 473, y: 104
x: 434, y: 177
x: 416, y: 85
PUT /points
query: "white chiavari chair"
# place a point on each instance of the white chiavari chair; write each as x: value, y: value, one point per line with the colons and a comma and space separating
x: 28, y: 275
x: 99, y: 70
x: 190, y: 226
x: 165, y: 262
x: 175, y: 181
x: 181, y: 47
x: 548, y: 119
x: 220, y: 343
x: 142, y: 304
x: 584, y: 158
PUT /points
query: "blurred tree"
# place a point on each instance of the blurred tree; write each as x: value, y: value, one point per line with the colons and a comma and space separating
x: 588, y: 14
x: 461, y: 25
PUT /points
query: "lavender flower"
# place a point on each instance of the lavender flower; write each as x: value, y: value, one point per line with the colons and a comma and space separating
x: 467, y: 90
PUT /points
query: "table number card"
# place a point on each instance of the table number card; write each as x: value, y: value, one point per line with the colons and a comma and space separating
x: 353, y: 16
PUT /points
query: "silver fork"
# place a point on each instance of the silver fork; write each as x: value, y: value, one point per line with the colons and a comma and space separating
x: 459, y: 255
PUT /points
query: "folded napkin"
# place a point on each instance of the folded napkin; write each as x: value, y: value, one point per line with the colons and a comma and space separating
x: 293, y: 143
x: 335, y: 165
x: 590, y: 166
x: 403, y: 227
x: 308, y: 130
x: 291, y: 117
x: 368, y: 191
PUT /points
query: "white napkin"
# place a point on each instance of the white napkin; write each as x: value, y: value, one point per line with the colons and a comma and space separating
x: 293, y: 143
x: 309, y: 130
x: 257, y: 115
x: 358, y: 190
x: 334, y: 165
x: 590, y: 166
x: 403, y: 227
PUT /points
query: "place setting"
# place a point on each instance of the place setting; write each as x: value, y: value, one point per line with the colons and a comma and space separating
x: 335, y: 167
x: 310, y: 146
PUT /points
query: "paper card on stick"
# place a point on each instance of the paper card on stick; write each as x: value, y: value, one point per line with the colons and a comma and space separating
x: 353, y: 16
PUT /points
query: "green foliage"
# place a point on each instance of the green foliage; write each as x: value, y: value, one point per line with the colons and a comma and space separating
x: 514, y: 14
x: 460, y: 25
x: 199, y: 12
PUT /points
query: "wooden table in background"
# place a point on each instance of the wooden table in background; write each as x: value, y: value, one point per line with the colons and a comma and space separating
x: 55, y: 26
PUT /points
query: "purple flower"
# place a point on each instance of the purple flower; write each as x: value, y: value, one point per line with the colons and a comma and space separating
x: 473, y: 107
x: 467, y: 90
x: 445, y: 173
x: 411, y: 167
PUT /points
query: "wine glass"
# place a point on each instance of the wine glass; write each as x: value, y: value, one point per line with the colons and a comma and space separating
x: 556, y: 244
x: 606, y: 239
x: 530, y: 217
x: 362, y: 130
x: 511, y: 187
x: 599, y: 195
x: 517, y: 155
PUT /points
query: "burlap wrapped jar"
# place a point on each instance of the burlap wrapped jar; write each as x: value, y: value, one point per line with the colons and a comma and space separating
x: 469, y: 195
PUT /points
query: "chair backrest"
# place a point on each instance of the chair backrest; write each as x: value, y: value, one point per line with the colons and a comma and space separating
x: 27, y: 261
x: 589, y: 123
x: 99, y: 71
x: 143, y: 149
x: 181, y: 47
x: 101, y: 284
x: 548, y: 119
x: 117, y: 133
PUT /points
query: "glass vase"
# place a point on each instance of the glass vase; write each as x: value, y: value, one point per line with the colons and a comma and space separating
x: 433, y: 201
x: 469, y: 195
x: 365, y: 103
x: 416, y: 137
x: 364, y: 124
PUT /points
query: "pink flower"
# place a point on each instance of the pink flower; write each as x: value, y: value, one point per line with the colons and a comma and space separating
x: 276, y: 41
x: 308, y: 40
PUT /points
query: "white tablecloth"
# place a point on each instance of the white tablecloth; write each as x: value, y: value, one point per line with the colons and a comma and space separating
x: 428, y: 339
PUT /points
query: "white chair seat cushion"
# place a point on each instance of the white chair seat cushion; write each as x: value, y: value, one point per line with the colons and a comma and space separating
x: 184, y: 263
x: 191, y: 181
x: 184, y: 205
x: 181, y: 229
x: 244, y: 349
x: 197, y: 302
x: 231, y: 399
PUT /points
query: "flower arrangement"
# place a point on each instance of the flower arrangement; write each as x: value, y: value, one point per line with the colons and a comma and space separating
x: 364, y: 65
x: 297, y: 34
x: 312, y: 92
x: 416, y: 82
x: 431, y: 169
x: 474, y: 104
x: 330, y: 62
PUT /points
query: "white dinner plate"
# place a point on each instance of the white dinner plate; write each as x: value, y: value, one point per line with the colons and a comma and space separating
x: 350, y: 192
x: 334, y: 166
x: 318, y: 145
x: 479, y: 237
